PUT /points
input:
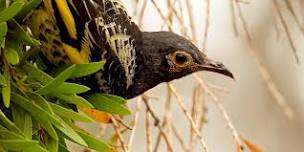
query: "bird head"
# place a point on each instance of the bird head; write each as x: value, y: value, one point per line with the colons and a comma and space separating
x: 165, y: 56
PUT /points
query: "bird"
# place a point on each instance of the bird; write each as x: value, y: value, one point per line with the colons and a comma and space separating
x: 83, y: 31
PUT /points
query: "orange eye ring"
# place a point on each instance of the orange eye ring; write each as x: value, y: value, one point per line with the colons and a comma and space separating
x: 181, y: 58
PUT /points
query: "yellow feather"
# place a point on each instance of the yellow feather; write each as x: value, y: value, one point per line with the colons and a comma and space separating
x: 74, y: 55
x: 67, y: 17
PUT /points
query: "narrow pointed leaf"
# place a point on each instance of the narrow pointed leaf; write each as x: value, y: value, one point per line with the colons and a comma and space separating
x: 28, y: 7
x: 67, y: 113
x: 17, y: 145
x: 93, y: 142
x: 3, y: 31
x: 67, y: 88
x: 74, y: 99
x: 22, y: 36
x: 53, y: 85
x: 2, y: 81
x: 103, y: 103
x: 87, y: 69
x: 34, y: 109
x: 23, y: 120
x: 6, y: 90
x: 8, y: 124
x: 70, y: 133
x: 10, y: 11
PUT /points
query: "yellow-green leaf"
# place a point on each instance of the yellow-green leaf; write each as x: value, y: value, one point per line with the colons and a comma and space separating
x: 10, y: 11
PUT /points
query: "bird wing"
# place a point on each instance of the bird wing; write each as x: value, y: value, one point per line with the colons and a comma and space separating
x: 110, y: 28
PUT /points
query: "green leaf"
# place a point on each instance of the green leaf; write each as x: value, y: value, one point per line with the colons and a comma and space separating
x: 2, y: 81
x: 53, y: 85
x: 28, y: 7
x: 115, y: 98
x: 70, y: 114
x: 5, y: 134
x: 3, y: 31
x: 52, y: 145
x: 20, y: 34
x: 8, y: 124
x: 6, y: 90
x: 62, y: 145
x: 35, y: 148
x: 39, y: 100
x: 34, y: 109
x: 74, y: 99
x: 70, y: 133
x: 17, y: 145
x: 87, y: 69
x: 48, y: 127
x: 23, y: 120
x: 65, y: 88
x: 2, y: 4
x: 37, y: 74
x: 10, y: 11
x: 72, y: 88
x: 11, y: 56
x: 93, y: 142
x: 103, y: 103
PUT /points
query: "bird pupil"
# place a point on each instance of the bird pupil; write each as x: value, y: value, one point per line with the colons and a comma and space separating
x: 180, y: 58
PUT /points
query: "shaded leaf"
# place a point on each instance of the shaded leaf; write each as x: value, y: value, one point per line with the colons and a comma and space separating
x: 23, y: 120
x: 28, y: 7
x: 8, y: 124
x: 18, y: 33
x: 11, y: 56
x: 103, y: 103
x: 3, y: 31
x: 2, y: 80
x: 34, y: 109
x: 6, y: 90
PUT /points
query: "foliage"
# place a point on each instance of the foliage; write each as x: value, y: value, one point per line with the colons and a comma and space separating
x: 37, y: 110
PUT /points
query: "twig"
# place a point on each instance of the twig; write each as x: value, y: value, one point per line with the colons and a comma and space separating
x: 234, y: 132
x: 207, y: 24
x: 145, y: 98
x: 120, y: 137
x: 193, y: 125
x: 192, y: 23
x: 136, y: 117
x: 179, y: 137
x: 287, y: 31
x: 148, y: 131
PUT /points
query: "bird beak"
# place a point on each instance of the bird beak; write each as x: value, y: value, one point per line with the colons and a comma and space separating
x: 214, y: 66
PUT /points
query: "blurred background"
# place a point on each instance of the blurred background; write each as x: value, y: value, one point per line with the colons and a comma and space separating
x: 261, y: 42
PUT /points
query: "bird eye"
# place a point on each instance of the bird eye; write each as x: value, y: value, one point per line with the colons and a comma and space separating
x: 181, y: 58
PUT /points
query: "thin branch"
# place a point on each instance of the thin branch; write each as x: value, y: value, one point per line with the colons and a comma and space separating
x: 193, y: 125
x: 287, y: 30
x: 207, y: 24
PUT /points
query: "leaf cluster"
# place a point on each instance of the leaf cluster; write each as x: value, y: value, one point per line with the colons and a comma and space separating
x: 38, y: 110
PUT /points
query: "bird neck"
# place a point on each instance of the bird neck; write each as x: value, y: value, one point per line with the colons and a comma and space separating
x: 148, y: 61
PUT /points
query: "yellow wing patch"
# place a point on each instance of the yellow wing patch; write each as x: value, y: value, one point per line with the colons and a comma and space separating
x: 67, y: 17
